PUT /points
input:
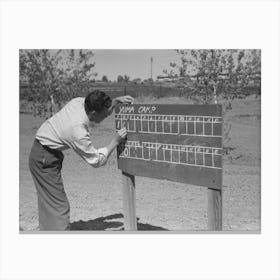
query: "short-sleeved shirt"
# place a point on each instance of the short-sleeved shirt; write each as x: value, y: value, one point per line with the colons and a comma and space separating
x: 69, y: 128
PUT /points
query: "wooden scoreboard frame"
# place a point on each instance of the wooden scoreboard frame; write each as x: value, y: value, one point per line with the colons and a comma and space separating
x: 181, y: 143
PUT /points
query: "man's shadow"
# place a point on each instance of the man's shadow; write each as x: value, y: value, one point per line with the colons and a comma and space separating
x: 110, y: 222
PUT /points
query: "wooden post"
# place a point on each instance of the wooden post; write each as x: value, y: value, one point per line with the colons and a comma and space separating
x: 130, y: 222
x: 214, y: 209
x: 215, y: 205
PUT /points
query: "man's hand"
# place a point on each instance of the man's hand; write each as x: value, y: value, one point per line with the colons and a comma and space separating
x: 117, y: 139
x: 120, y: 135
x: 126, y: 99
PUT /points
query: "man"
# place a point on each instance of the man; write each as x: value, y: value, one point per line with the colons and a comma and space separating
x: 68, y: 128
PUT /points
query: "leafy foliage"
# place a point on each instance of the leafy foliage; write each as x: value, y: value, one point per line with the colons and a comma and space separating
x: 120, y: 79
x: 105, y: 79
x: 218, y: 71
x: 62, y: 74
x: 126, y: 78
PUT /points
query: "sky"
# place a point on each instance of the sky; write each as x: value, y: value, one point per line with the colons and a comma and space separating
x: 134, y: 63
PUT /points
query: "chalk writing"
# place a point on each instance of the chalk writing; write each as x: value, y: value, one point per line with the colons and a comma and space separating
x: 200, y: 156
x: 207, y: 126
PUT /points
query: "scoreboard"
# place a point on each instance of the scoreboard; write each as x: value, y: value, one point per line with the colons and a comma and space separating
x: 180, y: 143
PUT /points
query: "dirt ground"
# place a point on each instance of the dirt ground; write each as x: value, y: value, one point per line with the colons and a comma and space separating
x: 95, y: 195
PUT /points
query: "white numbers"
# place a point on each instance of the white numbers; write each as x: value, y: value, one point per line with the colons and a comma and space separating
x: 126, y: 152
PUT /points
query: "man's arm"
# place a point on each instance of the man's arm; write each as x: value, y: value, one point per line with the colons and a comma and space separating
x: 82, y: 145
x: 120, y: 135
x: 126, y: 99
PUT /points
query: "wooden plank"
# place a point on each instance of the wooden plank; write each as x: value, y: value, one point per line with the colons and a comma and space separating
x: 214, y: 209
x: 178, y: 173
x: 129, y: 205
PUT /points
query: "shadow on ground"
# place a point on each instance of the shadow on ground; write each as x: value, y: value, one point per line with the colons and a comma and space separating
x: 111, y: 222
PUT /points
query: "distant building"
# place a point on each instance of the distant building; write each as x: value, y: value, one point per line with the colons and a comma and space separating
x: 167, y: 78
x: 176, y: 79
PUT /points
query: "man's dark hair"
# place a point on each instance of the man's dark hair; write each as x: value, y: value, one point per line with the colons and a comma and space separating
x: 97, y: 101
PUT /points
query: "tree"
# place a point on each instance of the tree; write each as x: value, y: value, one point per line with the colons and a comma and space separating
x: 217, y: 71
x: 120, y: 79
x: 136, y: 81
x: 126, y: 78
x: 60, y: 73
x: 105, y: 79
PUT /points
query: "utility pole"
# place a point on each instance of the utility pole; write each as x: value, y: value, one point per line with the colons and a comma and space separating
x: 151, y: 68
